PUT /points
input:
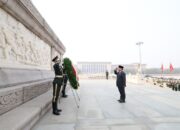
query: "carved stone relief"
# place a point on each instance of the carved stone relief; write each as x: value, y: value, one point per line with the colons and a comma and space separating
x: 19, y: 46
x: 10, y: 99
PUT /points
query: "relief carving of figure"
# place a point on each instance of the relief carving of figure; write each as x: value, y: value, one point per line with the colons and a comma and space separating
x: 10, y: 43
x: 2, y: 44
x: 31, y: 54
x: 20, y: 48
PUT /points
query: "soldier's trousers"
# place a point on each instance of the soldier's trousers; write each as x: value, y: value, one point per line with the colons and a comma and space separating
x: 64, y: 85
x: 56, y: 90
x: 122, y: 93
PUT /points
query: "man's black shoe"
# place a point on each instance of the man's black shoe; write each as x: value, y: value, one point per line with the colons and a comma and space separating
x: 59, y: 110
x: 122, y: 101
x: 56, y: 113
x: 64, y: 96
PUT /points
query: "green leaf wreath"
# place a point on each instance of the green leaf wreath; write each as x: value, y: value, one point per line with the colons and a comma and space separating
x: 70, y: 73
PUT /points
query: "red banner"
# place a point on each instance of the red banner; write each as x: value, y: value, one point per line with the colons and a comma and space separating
x: 171, y: 67
x: 162, y: 68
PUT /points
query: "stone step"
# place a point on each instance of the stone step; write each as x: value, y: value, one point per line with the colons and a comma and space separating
x: 26, y: 115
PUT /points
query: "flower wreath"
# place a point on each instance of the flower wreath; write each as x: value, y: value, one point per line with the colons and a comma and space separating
x: 71, y: 73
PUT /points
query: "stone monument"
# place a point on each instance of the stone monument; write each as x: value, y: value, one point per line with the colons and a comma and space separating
x: 27, y: 45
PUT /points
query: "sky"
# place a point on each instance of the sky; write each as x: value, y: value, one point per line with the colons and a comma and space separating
x: 108, y: 30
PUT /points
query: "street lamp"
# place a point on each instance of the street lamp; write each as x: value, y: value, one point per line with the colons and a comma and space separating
x: 140, y: 67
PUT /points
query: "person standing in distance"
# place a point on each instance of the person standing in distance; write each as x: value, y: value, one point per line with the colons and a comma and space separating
x: 57, y: 83
x: 121, y: 82
x: 107, y: 74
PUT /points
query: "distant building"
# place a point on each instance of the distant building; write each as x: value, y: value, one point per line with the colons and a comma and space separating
x: 102, y: 67
x: 93, y: 67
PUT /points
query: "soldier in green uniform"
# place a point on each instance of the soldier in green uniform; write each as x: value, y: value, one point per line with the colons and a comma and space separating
x: 57, y: 83
x: 65, y: 79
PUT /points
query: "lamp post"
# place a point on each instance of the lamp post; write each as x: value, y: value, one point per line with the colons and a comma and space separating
x: 139, y: 67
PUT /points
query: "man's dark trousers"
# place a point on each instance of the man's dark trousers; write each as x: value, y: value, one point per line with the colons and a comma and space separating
x: 122, y: 93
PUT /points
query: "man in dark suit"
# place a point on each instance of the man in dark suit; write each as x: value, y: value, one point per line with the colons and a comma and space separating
x: 57, y: 83
x: 121, y: 82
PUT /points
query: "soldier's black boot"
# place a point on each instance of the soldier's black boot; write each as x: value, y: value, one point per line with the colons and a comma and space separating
x: 58, y: 110
x: 64, y: 94
x: 122, y: 101
x: 55, y: 112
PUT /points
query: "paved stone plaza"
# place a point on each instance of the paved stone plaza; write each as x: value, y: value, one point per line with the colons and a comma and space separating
x: 146, y: 108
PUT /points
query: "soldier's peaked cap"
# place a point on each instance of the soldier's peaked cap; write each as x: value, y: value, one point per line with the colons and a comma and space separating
x: 120, y: 66
x: 55, y: 58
